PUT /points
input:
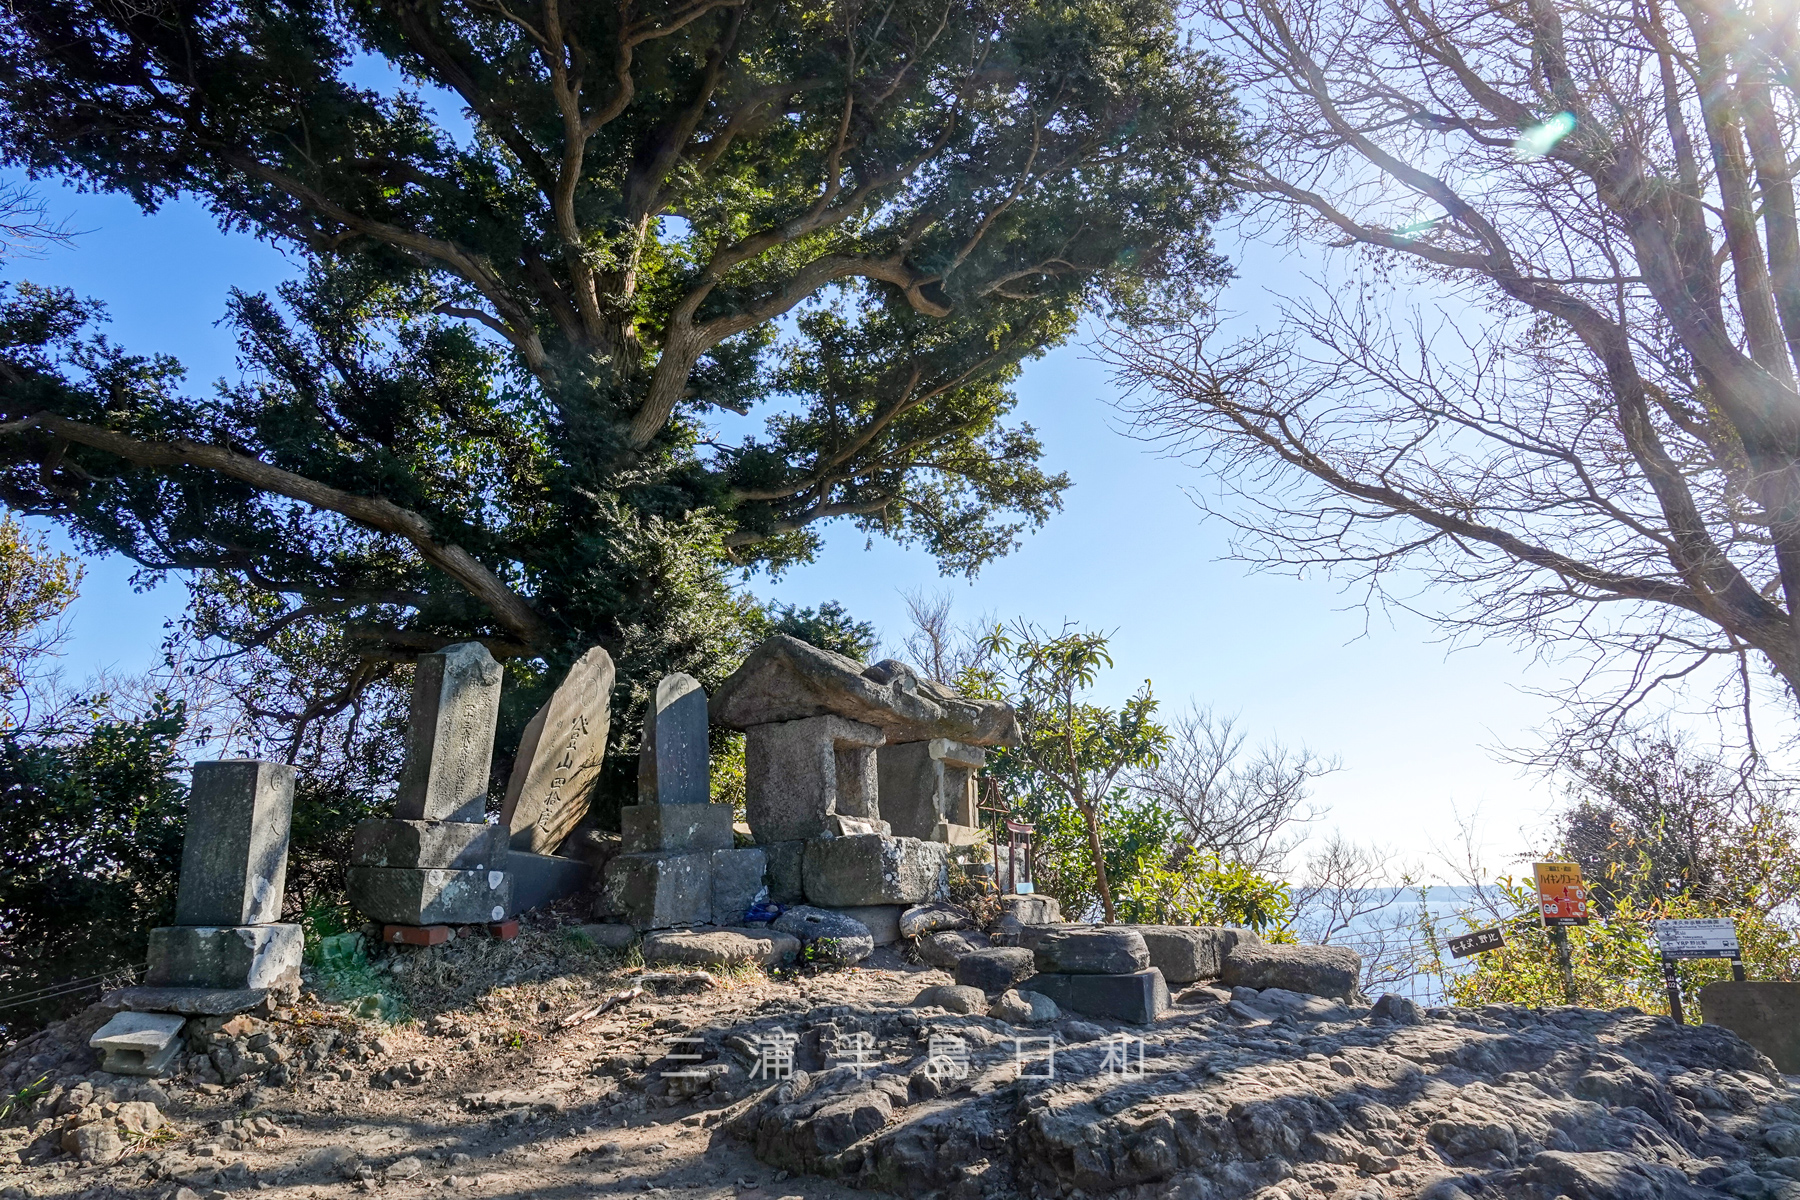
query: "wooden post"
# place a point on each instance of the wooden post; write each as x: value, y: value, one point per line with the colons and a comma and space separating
x: 1560, y: 936
x: 1672, y: 985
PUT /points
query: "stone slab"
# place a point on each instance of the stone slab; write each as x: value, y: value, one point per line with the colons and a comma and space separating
x: 1111, y: 950
x: 676, y: 828
x: 606, y: 936
x: 1032, y: 909
x: 1186, y: 953
x: 146, y: 1033
x: 800, y: 774
x: 560, y: 755
x: 848, y: 872
x: 786, y: 871
x: 1767, y: 1015
x: 540, y: 879
x: 1334, y: 971
x: 450, y: 735
x: 233, y: 956
x: 933, y: 917
x: 739, y: 880
x: 445, y: 845
x: 234, y: 855
x: 193, y: 1002
x: 882, y: 920
x: 945, y: 948
x: 657, y: 891
x: 721, y: 947
x: 428, y: 895
x: 1139, y: 997
x: 826, y: 936
x: 674, y: 766
x: 995, y: 970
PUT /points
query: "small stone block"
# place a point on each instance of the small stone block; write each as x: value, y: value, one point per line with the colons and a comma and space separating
x: 657, y: 891
x: 415, y: 935
x: 233, y: 956
x: 504, y: 931
x: 1185, y: 953
x: 445, y: 845
x: 883, y: 920
x: 234, y: 857
x: 1767, y: 1015
x: 428, y: 896
x: 739, y: 880
x: 146, y: 1033
x: 1139, y: 997
x: 847, y: 872
x: 676, y: 828
x: 785, y: 861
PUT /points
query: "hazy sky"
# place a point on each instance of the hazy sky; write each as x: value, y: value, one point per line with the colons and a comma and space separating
x: 1130, y: 554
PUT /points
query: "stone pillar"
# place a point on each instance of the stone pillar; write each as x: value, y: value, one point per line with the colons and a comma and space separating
x: 674, y: 766
x: 811, y: 778
x: 928, y: 789
x: 559, y: 759
x: 233, y: 870
x: 438, y: 861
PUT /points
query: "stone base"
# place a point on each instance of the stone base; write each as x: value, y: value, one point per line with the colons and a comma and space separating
x: 658, y: 891
x: 1032, y: 909
x: 192, y: 1002
x: 785, y: 871
x: 676, y: 828
x: 224, y: 956
x: 135, y: 1043
x: 441, y: 845
x: 428, y: 896
x: 721, y: 947
x: 540, y: 879
x: 883, y: 920
x: 848, y: 872
x: 1763, y: 1014
x: 1139, y: 998
x: 956, y: 835
x: 1186, y: 953
x: 739, y: 879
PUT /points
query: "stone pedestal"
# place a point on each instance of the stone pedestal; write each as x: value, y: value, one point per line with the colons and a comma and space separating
x: 1767, y: 1015
x: 458, y: 845
x: 233, y: 956
x: 659, y: 891
x: 676, y: 828
x: 234, y: 857
x: 429, y: 896
x: 848, y: 872
x: 928, y: 789
x: 798, y: 775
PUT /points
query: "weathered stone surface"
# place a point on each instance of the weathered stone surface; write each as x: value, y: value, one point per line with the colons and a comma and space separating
x: 1025, y: 1008
x: 871, y: 869
x: 944, y: 948
x: 785, y: 679
x: 1332, y: 971
x: 1767, y: 1015
x: 676, y: 828
x: 881, y: 920
x: 721, y: 947
x: 827, y: 936
x: 1032, y: 909
x: 540, y: 879
x: 135, y: 1043
x: 189, y: 1001
x: 786, y: 870
x: 931, y: 918
x: 1113, y: 950
x: 234, y: 855
x: 739, y: 879
x: 450, y: 735
x: 233, y: 956
x: 927, y: 784
x: 1185, y: 953
x: 799, y: 775
x: 1395, y: 1008
x: 606, y: 936
x: 656, y: 891
x: 559, y: 759
x: 1299, y: 1004
x: 428, y: 896
x: 994, y: 970
x: 673, y: 764
x: 957, y: 998
x: 1139, y: 997
x: 446, y: 845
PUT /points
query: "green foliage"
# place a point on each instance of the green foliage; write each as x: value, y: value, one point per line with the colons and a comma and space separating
x: 37, y: 585
x: 91, y: 825
x: 1203, y: 890
x: 829, y: 627
x: 727, y: 784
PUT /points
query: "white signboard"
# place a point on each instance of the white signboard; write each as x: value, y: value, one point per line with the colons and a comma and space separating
x: 1710, y: 937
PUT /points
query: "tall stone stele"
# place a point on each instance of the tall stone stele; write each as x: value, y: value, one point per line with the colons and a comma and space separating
x: 233, y: 871
x: 437, y: 860
x: 679, y: 865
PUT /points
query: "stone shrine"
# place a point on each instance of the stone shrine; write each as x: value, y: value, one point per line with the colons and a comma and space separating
x: 928, y: 789
x: 437, y: 861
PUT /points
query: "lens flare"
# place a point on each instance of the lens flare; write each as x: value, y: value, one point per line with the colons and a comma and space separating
x: 1540, y: 140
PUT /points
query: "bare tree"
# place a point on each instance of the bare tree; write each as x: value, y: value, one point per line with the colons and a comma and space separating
x: 1559, y: 381
x: 1244, y: 806
x: 25, y: 223
x: 937, y: 645
x: 1356, y: 895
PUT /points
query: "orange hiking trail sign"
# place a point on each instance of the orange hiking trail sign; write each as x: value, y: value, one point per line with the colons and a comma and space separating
x: 1562, y: 899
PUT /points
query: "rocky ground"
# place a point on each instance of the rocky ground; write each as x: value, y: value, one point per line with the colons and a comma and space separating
x: 521, y: 1071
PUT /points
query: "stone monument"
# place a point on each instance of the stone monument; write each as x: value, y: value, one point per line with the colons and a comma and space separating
x: 437, y: 861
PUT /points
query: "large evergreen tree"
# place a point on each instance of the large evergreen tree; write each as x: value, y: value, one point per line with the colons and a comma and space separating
x: 498, y: 402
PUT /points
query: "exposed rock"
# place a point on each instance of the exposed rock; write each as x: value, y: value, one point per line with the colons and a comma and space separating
x: 785, y: 679
x: 1104, y: 951
x: 1185, y: 953
x: 1024, y: 1008
x: 827, y: 937
x: 721, y: 947
x: 1317, y: 970
x: 1138, y: 997
x: 1395, y: 1008
x: 933, y: 918
x: 957, y: 998
x: 944, y: 949
x: 995, y: 970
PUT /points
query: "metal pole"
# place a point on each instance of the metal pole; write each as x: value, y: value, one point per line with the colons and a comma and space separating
x: 1673, y: 986
x: 1560, y: 936
x: 1737, y: 969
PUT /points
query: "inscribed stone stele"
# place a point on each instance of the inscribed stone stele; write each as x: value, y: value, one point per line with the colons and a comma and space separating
x: 559, y: 758
x: 450, y: 735
x: 673, y: 767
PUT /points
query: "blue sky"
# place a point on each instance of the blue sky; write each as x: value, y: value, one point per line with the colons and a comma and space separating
x: 1130, y: 554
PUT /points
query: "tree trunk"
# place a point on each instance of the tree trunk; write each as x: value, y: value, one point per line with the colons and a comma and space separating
x: 1090, y: 814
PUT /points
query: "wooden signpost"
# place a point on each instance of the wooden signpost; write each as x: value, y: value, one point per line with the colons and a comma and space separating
x: 1476, y: 942
x: 1562, y: 902
x: 1704, y: 937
